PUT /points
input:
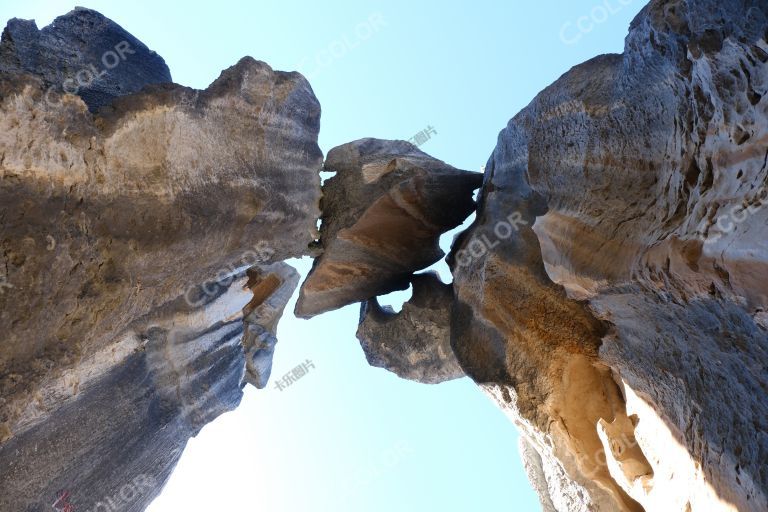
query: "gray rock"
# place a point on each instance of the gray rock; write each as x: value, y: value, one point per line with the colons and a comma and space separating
x: 82, y: 53
x: 117, y: 437
x: 415, y: 343
x: 101, y: 213
x: 383, y: 214
x: 124, y: 236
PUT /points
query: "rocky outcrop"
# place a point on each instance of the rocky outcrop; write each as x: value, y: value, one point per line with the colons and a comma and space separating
x: 415, y: 343
x: 100, y: 214
x: 125, y: 236
x: 81, y: 53
x: 610, y: 295
x: 272, y: 287
x: 383, y: 213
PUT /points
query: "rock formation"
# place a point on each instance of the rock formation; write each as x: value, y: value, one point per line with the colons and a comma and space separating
x: 272, y: 287
x: 621, y: 320
x: 415, y: 343
x: 126, y: 231
x: 82, y: 53
x: 611, y: 295
x: 383, y: 213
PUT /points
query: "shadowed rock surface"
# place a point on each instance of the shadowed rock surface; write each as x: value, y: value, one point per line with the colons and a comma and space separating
x: 82, y: 53
x: 116, y: 440
x: 415, y: 343
x: 383, y: 214
x: 622, y: 327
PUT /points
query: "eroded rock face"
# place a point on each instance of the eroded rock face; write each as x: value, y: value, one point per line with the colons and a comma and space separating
x: 81, y: 53
x: 620, y: 321
x: 105, y: 218
x: 124, y: 240
x: 415, y: 343
x: 383, y: 214
x: 123, y: 415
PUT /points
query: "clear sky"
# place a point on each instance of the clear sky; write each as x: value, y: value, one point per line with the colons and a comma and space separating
x: 347, y: 437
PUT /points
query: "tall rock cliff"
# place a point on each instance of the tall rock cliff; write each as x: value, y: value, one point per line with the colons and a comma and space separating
x: 131, y: 209
x: 621, y: 319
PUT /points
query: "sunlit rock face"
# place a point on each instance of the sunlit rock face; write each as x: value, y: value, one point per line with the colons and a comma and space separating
x: 106, y: 217
x: 612, y: 294
x: 125, y: 234
x: 415, y: 343
x: 383, y: 213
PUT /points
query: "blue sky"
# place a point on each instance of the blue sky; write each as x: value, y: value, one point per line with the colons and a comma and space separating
x: 347, y: 437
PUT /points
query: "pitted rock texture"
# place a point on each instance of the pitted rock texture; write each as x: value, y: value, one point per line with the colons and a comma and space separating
x: 383, y: 214
x: 81, y: 53
x: 415, y: 343
x: 621, y: 321
x: 124, y: 415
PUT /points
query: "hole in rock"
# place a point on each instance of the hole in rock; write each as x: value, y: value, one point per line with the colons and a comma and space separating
x: 396, y: 299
